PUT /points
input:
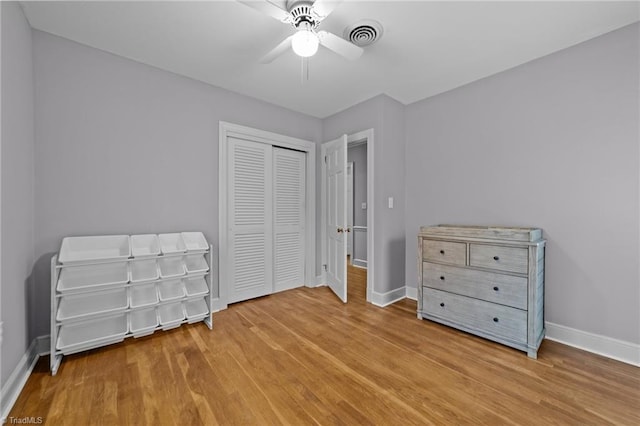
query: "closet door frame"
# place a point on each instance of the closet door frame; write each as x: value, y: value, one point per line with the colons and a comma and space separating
x: 227, y: 130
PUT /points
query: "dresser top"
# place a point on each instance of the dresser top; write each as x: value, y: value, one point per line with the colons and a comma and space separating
x: 508, y: 233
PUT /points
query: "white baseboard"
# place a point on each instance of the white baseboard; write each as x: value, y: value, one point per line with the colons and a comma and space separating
x: 218, y: 305
x: 619, y: 350
x: 16, y: 381
x: 359, y: 263
x: 412, y: 293
x: 43, y: 345
x: 386, y: 299
x: 321, y: 281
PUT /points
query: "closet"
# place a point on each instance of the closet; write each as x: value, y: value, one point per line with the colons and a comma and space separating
x: 266, y: 242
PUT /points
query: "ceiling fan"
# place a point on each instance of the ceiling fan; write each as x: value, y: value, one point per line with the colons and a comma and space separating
x: 304, y: 16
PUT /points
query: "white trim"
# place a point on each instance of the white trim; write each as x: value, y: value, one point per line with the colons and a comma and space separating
x: 18, y: 378
x: 323, y: 213
x: 359, y: 263
x: 386, y: 299
x: 43, y: 345
x: 354, y: 140
x: 412, y: 293
x: 619, y: 350
x: 217, y: 305
x: 321, y: 280
x: 274, y: 139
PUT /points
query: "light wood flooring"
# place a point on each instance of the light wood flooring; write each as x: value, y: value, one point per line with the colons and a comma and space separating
x: 302, y: 357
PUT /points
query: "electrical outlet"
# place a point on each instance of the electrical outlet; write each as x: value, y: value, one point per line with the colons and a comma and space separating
x: 364, y: 206
x: 390, y: 202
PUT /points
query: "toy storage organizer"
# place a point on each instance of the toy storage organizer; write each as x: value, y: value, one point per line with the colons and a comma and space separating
x: 107, y: 288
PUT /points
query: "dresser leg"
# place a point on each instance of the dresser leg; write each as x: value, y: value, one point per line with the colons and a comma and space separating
x: 532, y: 353
x: 419, y: 316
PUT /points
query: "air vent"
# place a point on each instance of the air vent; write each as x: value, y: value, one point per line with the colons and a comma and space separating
x: 364, y: 33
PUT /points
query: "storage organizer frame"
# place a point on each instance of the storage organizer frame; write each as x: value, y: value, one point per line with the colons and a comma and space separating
x: 56, y: 298
x: 488, y: 281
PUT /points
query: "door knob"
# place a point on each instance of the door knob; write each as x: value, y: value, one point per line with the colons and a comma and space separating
x: 347, y: 230
x: 340, y: 230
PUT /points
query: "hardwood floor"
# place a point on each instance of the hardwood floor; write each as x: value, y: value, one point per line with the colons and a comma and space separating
x: 302, y: 357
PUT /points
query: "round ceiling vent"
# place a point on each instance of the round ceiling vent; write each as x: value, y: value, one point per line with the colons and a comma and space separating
x: 363, y: 33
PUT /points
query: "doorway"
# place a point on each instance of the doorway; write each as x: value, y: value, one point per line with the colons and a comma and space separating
x: 360, y: 263
x: 357, y: 206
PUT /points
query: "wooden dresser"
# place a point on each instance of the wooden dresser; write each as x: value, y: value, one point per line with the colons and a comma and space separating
x: 488, y: 281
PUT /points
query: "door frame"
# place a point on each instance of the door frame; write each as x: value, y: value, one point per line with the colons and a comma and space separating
x: 358, y: 138
x: 262, y: 136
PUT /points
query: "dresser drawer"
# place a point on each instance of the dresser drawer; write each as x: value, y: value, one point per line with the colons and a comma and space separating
x: 477, y: 315
x: 444, y: 251
x: 493, y: 287
x: 511, y: 259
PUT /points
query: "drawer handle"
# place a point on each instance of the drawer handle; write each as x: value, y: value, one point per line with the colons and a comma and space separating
x: 441, y: 251
x: 496, y: 258
x: 496, y: 289
x: 495, y: 319
x: 442, y: 277
x: 442, y: 304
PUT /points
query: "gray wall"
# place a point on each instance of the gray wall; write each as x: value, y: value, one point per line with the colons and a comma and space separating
x: 385, y: 116
x: 358, y: 156
x: 123, y: 147
x: 17, y: 177
x: 555, y: 144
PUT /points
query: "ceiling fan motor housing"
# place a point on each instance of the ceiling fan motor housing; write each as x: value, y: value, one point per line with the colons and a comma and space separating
x: 303, y: 16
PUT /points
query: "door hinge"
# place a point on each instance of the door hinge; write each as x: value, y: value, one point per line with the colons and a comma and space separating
x: 324, y: 266
x: 325, y: 159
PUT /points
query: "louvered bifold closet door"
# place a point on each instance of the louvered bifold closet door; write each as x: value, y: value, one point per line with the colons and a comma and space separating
x: 250, y: 220
x: 289, y: 221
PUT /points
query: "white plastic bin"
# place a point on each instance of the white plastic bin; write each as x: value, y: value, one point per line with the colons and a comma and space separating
x: 195, y: 310
x: 76, y: 250
x: 143, y: 295
x: 195, y: 242
x: 196, y: 286
x: 79, y: 278
x: 195, y: 264
x: 171, y: 243
x: 81, y: 305
x: 145, y: 245
x: 144, y: 270
x: 92, y: 333
x: 170, y: 315
x: 170, y: 290
x: 143, y: 322
x: 171, y: 267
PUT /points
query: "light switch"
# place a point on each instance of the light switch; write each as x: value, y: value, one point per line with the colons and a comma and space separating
x: 390, y: 202
x: 364, y: 206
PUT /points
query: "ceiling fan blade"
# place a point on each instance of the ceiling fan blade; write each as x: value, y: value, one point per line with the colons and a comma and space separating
x: 267, y: 8
x: 339, y: 45
x: 324, y: 7
x: 277, y: 51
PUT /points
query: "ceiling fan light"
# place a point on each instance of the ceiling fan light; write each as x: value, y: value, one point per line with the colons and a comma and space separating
x: 305, y: 43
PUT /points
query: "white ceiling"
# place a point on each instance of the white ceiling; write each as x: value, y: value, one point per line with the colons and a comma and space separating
x: 427, y: 48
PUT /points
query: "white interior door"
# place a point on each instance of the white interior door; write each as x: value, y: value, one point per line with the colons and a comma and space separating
x: 250, y: 220
x: 335, y: 157
x: 289, y: 222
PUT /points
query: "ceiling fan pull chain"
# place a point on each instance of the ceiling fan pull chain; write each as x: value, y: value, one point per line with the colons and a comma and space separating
x: 306, y: 60
x: 304, y: 75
